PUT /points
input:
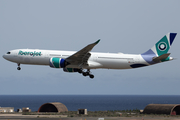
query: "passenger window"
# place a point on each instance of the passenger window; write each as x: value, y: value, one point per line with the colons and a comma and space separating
x: 8, y: 52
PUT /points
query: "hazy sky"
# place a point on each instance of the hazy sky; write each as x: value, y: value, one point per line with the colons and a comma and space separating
x: 127, y: 26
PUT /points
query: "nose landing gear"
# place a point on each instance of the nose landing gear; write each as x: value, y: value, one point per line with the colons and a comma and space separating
x: 18, y: 68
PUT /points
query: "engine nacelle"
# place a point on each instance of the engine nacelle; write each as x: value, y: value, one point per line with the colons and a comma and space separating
x: 57, y: 63
x: 70, y: 69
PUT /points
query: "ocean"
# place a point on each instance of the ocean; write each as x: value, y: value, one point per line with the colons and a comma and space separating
x: 89, y: 102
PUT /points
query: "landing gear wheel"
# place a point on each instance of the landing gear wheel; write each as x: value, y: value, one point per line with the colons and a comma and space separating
x: 91, y: 76
x: 87, y: 73
x: 80, y: 71
x: 84, y: 74
x: 18, y: 68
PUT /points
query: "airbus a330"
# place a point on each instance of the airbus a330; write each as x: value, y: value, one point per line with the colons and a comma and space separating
x: 83, y: 61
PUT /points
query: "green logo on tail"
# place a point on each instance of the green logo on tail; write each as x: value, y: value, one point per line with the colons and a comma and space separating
x: 162, y: 47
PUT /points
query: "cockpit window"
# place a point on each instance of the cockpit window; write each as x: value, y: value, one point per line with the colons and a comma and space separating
x: 8, y: 52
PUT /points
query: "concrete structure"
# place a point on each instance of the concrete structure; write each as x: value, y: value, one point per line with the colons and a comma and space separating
x: 19, y: 110
x: 26, y: 109
x: 82, y: 111
x: 6, y: 109
x: 169, y: 109
x: 53, y: 107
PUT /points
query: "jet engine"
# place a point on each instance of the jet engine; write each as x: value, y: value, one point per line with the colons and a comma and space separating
x: 57, y: 63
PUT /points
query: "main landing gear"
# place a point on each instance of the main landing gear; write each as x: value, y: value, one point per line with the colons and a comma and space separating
x: 18, y: 68
x: 87, y: 73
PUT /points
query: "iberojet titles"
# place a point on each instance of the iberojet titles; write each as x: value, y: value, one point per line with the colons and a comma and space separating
x: 29, y: 53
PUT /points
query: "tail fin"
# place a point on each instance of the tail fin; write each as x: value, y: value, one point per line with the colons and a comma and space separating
x: 163, y: 45
x: 160, y: 48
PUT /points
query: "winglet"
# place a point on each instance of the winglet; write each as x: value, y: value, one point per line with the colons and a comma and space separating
x: 97, y: 41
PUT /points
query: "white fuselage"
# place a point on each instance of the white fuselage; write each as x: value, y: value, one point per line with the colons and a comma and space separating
x: 96, y: 60
x: 77, y: 61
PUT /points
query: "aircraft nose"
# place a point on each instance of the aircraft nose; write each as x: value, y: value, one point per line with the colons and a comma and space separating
x: 4, y: 56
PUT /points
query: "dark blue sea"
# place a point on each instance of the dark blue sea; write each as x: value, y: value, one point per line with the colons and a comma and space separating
x: 90, y: 102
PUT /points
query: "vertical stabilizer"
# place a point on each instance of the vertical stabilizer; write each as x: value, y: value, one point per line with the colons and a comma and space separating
x: 160, y: 48
x: 163, y: 45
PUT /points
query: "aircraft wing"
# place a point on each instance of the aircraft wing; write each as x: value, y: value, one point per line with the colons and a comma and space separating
x: 81, y: 57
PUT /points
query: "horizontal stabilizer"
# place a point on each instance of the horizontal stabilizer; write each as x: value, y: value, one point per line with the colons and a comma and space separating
x: 160, y: 58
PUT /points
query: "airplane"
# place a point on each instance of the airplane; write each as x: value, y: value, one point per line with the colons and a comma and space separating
x: 79, y: 61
